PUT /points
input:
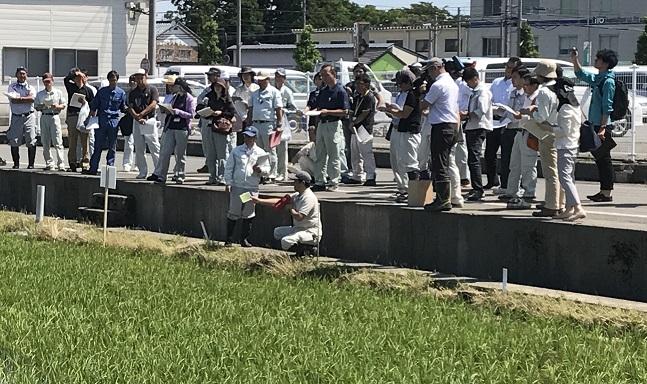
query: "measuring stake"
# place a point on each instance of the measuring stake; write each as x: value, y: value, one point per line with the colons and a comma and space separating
x: 40, y: 203
x: 504, y: 281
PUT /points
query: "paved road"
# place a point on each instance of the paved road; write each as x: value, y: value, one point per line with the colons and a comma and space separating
x: 628, y: 210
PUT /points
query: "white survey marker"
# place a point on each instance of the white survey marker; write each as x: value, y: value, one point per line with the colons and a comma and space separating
x: 108, y: 177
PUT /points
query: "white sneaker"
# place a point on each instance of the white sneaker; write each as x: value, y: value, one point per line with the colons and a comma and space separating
x: 127, y: 168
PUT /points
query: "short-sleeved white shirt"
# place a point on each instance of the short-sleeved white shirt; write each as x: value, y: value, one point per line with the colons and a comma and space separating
x: 307, y: 204
x: 443, y: 98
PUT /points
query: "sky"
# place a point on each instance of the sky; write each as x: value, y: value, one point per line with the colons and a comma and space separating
x: 452, y: 5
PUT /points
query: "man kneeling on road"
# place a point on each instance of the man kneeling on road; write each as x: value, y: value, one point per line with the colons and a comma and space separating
x: 304, y: 209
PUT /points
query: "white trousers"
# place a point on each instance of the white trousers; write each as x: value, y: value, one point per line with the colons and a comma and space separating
x: 363, y: 159
x: 454, y: 178
x: 404, y: 157
x: 51, y: 136
x: 522, y: 179
x: 424, y: 151
x: 461, y: 159
x: 290, y: 236
x: 282, y: 159
x: 141, y: 142
x: 129, y: 149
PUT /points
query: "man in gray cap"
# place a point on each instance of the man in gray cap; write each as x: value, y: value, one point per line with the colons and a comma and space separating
x: 304, y: 209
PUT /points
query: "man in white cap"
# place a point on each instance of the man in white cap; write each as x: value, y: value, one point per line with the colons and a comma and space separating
x: 142, y: 102
x: 543, y: 120
x: 303, y: 205
x: 50, y: 102
x: 266, y: 114
x: 245, y: 167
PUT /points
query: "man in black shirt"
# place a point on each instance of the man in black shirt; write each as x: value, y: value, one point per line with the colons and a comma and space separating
x: 362, y: 121
x: 142, y: 102
x: 75, y: 82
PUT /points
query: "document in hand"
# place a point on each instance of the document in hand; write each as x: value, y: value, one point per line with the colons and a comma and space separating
x: 263, y: 160
x: 275, y: 138
x: 11, y: 95
x: 245, y: 197
x: 149, y: 127
x: 362, y: 134
x: 166, y: 108
x: 93, y: 123
x: 206, y: 112
x: 285, y: 200
x: 76, y: 100
x: 539, y: 130
x: 504, y: 107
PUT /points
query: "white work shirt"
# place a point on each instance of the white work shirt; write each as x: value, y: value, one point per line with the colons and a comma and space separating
x: 518, y: 101
x: 239, y: 169
x: 265, y: 102
x: 307, y: 204
x: 23, y: 90
x: 46, y: 99
x: 480, y: 108
x: 501, y: 89
x: 287, y: 97
x: 464, y: 93
x: 244, y: 92
x: 547, y: 103
x: 443, y: 98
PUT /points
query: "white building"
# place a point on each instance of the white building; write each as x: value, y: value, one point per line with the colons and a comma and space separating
x: 56, y: 35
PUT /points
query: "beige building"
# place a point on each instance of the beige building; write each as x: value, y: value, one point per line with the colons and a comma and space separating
x: 557, y: 26
x: 54, y: 36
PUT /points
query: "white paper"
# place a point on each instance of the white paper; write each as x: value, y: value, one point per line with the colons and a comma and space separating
x: 540, y: 131
x: 263, y: 159
x: 12, y: 95
x: 241, y: 108
x: 93, y: 123
x: 206, y: 112
x: 149, y: 127
x: 245, y: 197
x: 76, y: 100
x: 362, y: 135
x: 313, y: 113
x: 504, y: 107
x: 166, y: 107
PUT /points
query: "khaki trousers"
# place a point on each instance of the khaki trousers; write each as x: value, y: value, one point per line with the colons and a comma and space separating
x: 548, y: 155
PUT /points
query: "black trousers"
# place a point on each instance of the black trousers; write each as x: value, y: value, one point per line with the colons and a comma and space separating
x: 443, y: 137
x: 603, y: 161
x: 492, y: 144
x: 348, y: 134
x: 507, y: 140
x: 474, y: 138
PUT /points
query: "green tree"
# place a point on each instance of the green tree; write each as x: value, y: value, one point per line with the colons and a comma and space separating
x: 641, y: 47
x: 199, y: 16
x: 527, y: 46
x: 306, y: 55
x: 418, y: 13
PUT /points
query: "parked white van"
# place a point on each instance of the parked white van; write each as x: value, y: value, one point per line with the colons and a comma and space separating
x: 197, y: 72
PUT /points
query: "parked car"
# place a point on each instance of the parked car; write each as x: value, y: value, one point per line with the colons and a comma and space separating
x: 197, y: 72
x: 491, y: 68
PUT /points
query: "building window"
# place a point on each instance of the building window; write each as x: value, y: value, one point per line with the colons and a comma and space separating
x: 568, y: 7
x: 338, y: 42
x: 451, y: 45
x: 566, y: 43
x: 530, y: 6
x: 64, y: 59
x: 35, y: 60
x: 606, y: 7
x: 397, y: 43
x: 492, y: 46
x: 422, y: 45
x: 609, y: 42
x: 491, y: 7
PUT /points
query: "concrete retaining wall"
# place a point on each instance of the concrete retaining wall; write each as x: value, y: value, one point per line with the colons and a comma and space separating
x: 580, y: 258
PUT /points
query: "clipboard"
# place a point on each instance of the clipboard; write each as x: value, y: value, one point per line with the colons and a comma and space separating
x: 206, y: 112
x: 540, y: 131
x: 76, y: 100
x: 149, y: 127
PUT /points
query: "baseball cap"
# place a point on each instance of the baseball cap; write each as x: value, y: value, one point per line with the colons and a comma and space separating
x: 251, y: 131
x: 281, y: 72
x: 262, y: 75
x: 213, y: 71
x: 302, y: 176
x: 140, y: 71
x: 433, y: 62
x: 169, y: 79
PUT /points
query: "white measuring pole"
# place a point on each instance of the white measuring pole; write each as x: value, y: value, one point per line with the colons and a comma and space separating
x: 105, y: 214
x: 40, y: 203
x: 108, y: 181
x: 634, y: 115
x: 504, y: 281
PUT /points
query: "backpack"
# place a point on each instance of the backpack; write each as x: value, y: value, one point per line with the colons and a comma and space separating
x: 620, y: 99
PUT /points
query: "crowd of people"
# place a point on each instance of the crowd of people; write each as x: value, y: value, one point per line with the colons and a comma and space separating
x: 442, y: 117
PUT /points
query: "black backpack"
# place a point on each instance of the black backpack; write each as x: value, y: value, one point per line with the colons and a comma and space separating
x: 620, y: 99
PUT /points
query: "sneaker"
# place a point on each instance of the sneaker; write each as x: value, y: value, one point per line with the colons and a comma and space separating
x: 245, y: 244
x: 174, y: 178
x: 394, y: 196
x: 15, y: 166
x: 491, y: 185
x: 48, y: 168
x: 499, y: 191
x: 600, y: 198
x: 62, y: 169
x: 89, y: 172
x: 3, y: 162
x: 506, y: 198
x: 402, y: 198
x: 518, y: 203
x: 127, y: 168
x: 474, y: 196
x: 457, y: 203
x: 318, y: 188
x: 332, y: 188
x: 152, y: 177
x: 140, y: 177
x: 179, y: 180
x: 545, y: 212
x: 352, y: 181
x: 279, y: 179
x: 370, y: 183
x: 204, y: 169
x: 30, y: 166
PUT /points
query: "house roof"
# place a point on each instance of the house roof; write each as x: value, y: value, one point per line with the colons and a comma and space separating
x: 318, y: 46
x: 377, y: 28
x: 395, y: 50
x: 167, y: 29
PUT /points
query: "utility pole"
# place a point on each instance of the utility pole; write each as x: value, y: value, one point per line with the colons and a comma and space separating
x: 458, y: 31
x: 305, y: 20
x: 152, y: 54
x: 506, y: 29
x: 435, y: 35
x: 429, y: 56
x: 519, y: 26
x: 239, y: 41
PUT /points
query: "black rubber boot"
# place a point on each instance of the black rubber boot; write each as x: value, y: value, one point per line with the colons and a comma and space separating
x: 231, y: 225
x: 442, y: 201
x: 31, y: 156
x: 15, y: 156
x: 244, y: 233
